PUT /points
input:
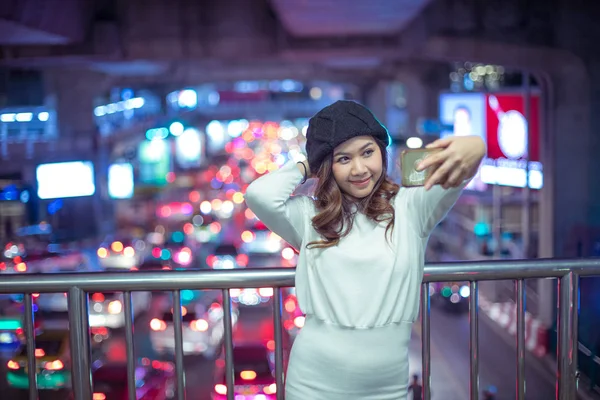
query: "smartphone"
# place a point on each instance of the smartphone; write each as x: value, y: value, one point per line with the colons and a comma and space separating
x: 409, y: 160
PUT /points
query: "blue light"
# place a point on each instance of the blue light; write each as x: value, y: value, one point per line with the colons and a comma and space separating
x: 215, y: 184
x: 55, y: 206
x: 165, y: 254
x: 187, y: 295
x: 157, y: 133
x: 25, y: 196
x: 177, y: 237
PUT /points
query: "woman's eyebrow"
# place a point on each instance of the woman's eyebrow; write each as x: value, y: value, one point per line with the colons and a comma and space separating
x: 340, y: 153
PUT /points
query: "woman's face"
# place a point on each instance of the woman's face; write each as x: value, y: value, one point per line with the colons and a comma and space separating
x: 357, y: 166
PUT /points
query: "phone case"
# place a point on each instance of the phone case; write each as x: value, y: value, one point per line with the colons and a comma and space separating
x: 409, y: 159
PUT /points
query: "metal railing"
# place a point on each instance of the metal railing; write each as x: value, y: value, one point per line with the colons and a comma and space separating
x: 77, y: 286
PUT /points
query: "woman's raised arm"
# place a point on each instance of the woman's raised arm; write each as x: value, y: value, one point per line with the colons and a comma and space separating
x: 454, y: 167
x: 270, y: 199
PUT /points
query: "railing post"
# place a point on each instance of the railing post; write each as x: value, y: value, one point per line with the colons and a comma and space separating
x: 129, y: 345
x: 228, y: 345
x: 79, y: 335
x: 426, y: 341
x: 520, y: 290
x: 474, y: 340
x: 178, y: 333
x: 567, y: 336
x: 29, y: 317
x: 278, y: 344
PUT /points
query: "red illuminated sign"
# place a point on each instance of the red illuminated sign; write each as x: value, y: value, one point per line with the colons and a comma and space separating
x: 506, y: 127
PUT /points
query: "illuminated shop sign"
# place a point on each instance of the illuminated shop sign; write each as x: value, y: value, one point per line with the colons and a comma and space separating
x: 500, y: 120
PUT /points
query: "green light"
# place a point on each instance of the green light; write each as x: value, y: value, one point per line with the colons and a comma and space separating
x: 446, y: 291
x: 10, y: 324
x: 165, y: 254
x: 177, y: 237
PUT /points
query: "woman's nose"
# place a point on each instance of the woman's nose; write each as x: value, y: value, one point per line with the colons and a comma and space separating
x: 358, y: 168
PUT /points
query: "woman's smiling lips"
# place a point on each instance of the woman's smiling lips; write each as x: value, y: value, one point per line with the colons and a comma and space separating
x: 364, y: 182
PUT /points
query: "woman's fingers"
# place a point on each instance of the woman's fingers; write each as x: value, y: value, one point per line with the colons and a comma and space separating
x: 433, y: 159
x: 440, y: 143
x: 457, y: 175
x: 440, y: 175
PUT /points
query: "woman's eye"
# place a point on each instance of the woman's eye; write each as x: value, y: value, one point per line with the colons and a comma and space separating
x: 368, y: 152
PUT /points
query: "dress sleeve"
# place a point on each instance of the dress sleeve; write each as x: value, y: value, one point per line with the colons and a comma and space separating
x: 270, y: 199
x: 427, y: 208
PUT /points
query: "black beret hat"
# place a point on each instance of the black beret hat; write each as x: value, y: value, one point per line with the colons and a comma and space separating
x: 335, y: 124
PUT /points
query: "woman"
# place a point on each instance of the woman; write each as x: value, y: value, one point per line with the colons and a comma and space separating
x: 361, y: 242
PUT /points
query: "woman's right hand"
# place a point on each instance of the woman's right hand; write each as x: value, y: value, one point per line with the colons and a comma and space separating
x: 457, y: 162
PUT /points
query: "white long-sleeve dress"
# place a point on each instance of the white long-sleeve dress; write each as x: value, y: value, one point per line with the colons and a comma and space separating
x: 360, y: 297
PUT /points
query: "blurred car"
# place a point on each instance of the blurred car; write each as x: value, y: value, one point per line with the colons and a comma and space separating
x: 12, y: 333
x: 259, y: 239
x: 178, y: 252
x: 226, y: 256
x: 202, y: 328
x: 45, y: 262
x: 450, y: 296
x: 106, y: 308
x: 251, y: 296
x: 254, y: 373
x: 12, y: 249
x: 53, y: 362
x: 154, y: 264
x: 120, y: 253
x: 154, y: 381
x: 266, y: 249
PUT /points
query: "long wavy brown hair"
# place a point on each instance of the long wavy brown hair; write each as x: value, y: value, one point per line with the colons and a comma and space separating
x: 336, y: 210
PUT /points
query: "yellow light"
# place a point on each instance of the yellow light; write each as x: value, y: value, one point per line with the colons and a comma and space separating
x: 260, y: 168
x: 117, y: 247
x: 216, y: 204
x: 247, y: 236
x: 271, y: 389
x: 13, y: 364
x: 102, y: 252
x: 238, y: 198
x: 128, y: 251
x: 248, y: 375
x: 115, y: 307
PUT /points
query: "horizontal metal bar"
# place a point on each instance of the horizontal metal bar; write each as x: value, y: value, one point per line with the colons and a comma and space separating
x: 283, y: 277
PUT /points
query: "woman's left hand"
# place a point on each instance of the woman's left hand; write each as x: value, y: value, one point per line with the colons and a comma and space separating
x: 458, y: 161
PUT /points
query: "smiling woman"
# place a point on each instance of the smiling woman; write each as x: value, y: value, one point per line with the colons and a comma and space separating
x: 361, y: 242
